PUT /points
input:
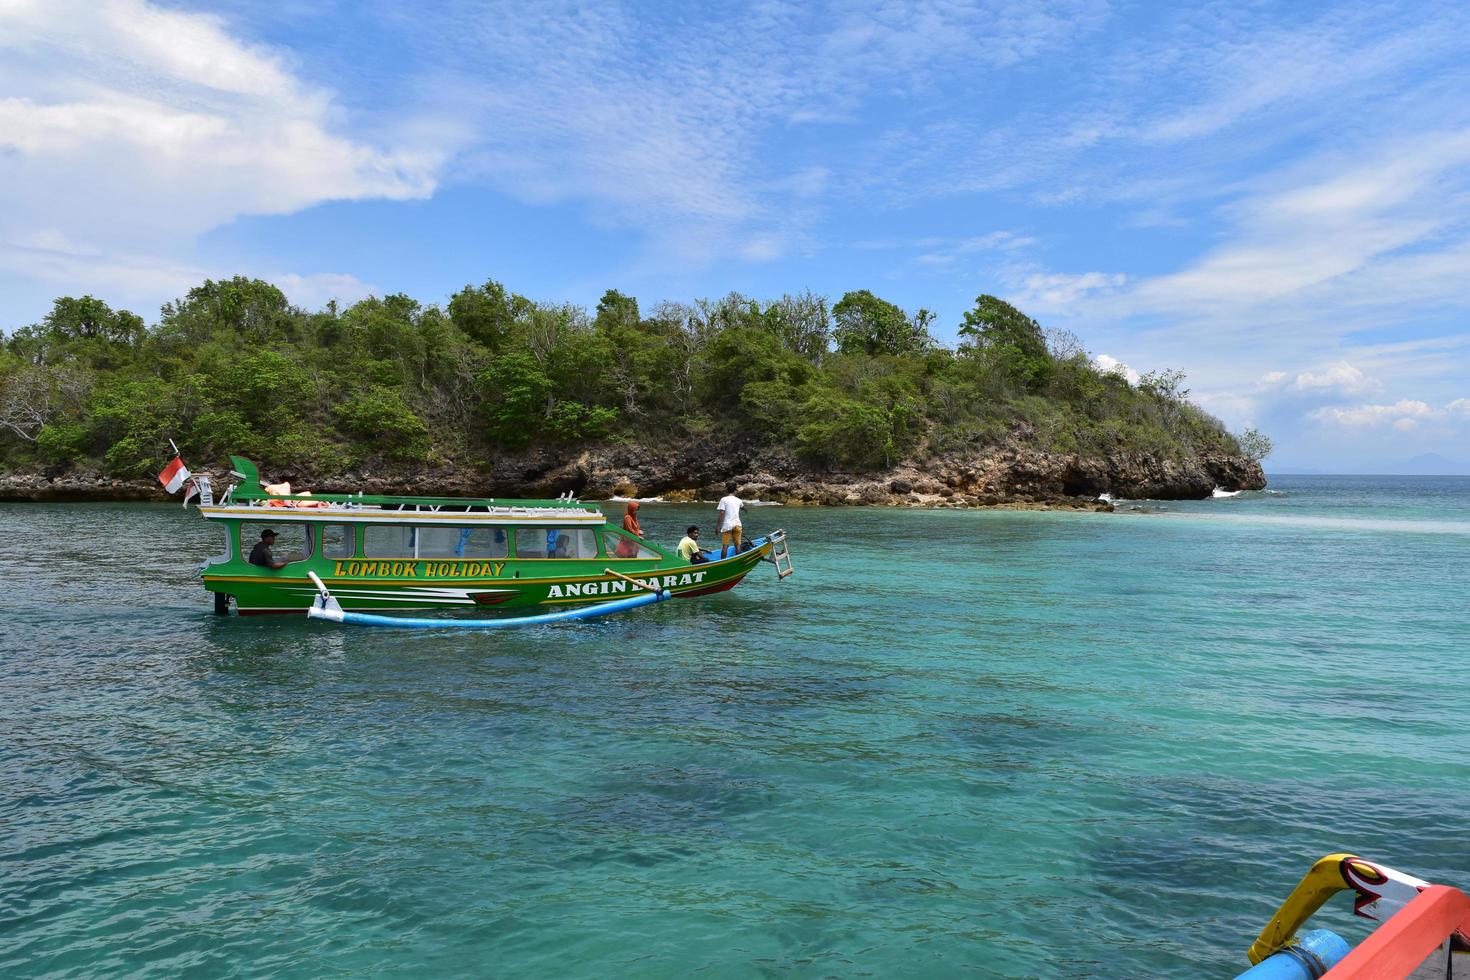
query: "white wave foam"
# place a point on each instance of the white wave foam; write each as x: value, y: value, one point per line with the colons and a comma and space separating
x: 1105, y: 498
x: 641, y: 500
x: 1219, y: 494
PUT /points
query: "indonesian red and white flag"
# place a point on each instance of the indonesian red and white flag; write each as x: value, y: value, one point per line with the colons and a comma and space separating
x: 174, y: 475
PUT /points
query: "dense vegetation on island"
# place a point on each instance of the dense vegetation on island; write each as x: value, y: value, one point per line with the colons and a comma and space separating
x: 860, y: 384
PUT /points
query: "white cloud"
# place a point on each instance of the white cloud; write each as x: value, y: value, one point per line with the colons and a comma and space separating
x: 1046, y: 292
x: 1341, y: 378
x: 49, y: 257
x: 127, y: 129
x: 1111, y: 365
x: 946, y: 251
x: 1321, y: 227
x: 1403, y: 415
x: 1280, y: 69
x: 313, y: 291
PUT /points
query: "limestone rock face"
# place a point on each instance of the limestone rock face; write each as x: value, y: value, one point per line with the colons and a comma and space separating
x: 1005, y: 475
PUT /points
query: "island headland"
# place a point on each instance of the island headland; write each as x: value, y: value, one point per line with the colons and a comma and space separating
x: 793, y: 400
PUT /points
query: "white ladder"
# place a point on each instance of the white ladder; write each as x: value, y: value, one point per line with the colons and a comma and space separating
x: 780, y: 556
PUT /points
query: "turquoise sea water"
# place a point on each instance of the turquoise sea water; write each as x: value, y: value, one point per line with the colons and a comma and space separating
x: 978, y: 743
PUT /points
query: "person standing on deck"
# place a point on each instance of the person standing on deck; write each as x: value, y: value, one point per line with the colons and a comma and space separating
x: 728, y: 513
x: 626, y: 548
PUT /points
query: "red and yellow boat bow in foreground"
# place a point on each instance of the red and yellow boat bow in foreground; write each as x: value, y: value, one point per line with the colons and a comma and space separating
x: 1419, y: 918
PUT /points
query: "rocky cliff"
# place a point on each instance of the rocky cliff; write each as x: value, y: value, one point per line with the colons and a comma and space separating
x: 999, y: 476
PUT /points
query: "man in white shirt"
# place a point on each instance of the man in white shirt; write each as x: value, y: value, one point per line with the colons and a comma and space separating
x: 728, y: 513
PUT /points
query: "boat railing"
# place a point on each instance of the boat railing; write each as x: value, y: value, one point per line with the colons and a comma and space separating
x: 468, y: 508
x: 1438, y: 918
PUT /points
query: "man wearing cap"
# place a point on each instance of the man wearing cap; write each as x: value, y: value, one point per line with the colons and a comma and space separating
x: 261, y: 553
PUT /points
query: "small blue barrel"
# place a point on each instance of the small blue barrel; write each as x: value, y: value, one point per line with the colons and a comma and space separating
x: 1313, y: 954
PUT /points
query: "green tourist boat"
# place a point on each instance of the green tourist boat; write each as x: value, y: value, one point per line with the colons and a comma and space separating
x: 402, y: 553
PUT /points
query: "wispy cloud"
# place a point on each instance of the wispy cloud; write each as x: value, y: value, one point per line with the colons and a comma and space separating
x: 49, y: 258
x: 1341, y: 378
x: 1405, y: 415
x: 127, y: 129
x: 944, y: 252
x: 1328, y: 225
x: 680, y: 129
x: 1044, y: 292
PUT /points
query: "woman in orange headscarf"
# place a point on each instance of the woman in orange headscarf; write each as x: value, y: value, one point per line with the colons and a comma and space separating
x: 626, y: 547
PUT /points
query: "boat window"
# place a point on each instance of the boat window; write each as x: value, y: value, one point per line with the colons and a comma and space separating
x: 293, y: 541
x: 336, y: 540
x: 555, y: 542
x: 462, y: 542
x: 579, y: 542
x: 389, y: 541
x: 531, y: 542
x: 616, y: 544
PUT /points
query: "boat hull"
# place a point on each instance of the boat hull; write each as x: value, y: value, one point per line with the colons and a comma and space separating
x: 363, y: 585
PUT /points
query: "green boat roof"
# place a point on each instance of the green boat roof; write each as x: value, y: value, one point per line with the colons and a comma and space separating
x: 249, y: 487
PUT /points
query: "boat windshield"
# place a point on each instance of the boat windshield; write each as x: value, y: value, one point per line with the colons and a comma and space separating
x: 620, y: 545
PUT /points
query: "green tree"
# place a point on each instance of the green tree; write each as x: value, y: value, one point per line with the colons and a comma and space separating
x: 844, y: 431
x: 89, y: 317
x: 81, y: 331
x: 866, y: 324
x: 382, y: 421
x: 1255, y: 444
x: 518, y: 399
x: 741, y: 356
x: 1010, y: 339
x: 616, y: 311
x: 801, y: 323
x: 487, y: 313
x: 247, y: 310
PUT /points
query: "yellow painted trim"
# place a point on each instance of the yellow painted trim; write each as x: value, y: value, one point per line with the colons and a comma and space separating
x: 593, y: 558
x: 411, y: 558
x: 362, y: 580
x: 502, y: 580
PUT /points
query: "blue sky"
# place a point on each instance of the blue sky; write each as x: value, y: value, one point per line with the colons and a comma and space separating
x: 1274, y: 197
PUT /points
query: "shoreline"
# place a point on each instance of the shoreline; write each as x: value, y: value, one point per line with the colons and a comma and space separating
x: 1003, y: 477
x: 143, y: 495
